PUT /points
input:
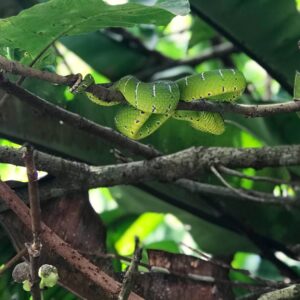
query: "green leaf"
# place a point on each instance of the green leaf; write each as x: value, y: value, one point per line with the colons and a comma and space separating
x: 200, y: 32
x: 31, y: 32
x: 205, y: 234
x: 142, y: 227
x: 267, y: 30
x: 297, y: 86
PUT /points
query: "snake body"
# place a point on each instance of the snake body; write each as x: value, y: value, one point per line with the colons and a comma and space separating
x: 152, y: 104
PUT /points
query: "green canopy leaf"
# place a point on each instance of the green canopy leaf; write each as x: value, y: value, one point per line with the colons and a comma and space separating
x: 31, y: 32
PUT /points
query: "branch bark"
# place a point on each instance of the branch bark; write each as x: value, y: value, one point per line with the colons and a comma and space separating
x: 108, y: 285
x: 164, y: 168
x: 108, y: 95
x: 34, y: 248
x: 289, y: 293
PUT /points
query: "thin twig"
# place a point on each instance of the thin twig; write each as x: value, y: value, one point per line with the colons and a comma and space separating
x: 217, y: 51
x: 132, y: 269
x: 220, y: 191
x: 237, y: 191
x: 236, y: 173
x: 33, y: 191
x: 63, y: 59
x: 247, y: 110
x: 34, y: 248
x: 13, y: 260
x: 108, y: 285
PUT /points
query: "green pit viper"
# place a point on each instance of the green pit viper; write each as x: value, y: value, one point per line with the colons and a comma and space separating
x: 152, y: 104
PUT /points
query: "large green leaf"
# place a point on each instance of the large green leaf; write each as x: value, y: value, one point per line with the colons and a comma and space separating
x: 206, y: 235
x: 37, y: 27
x: 267, y: 30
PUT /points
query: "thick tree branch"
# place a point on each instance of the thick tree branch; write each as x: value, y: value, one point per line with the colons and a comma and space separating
x: 164, y: 168
x: 109, y: 95
x: 289, y: 293
x: 109, y: 286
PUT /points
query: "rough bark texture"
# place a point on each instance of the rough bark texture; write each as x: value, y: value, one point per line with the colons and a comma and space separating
x: 72, y: 219
x: 186, y: 163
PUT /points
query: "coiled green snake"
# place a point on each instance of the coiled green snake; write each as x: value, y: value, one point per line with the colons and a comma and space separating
x: 152, y: 104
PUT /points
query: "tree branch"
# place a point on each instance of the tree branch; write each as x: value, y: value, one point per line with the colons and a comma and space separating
x: 289, y: 293
x: 239, y: 192
x: 235, y: 173
x: 108, y: 95
x: 252, y: 111
x: 165, y: 168
x: 219, y: 191
x: 34, y: 248
x: 217, y: 51
x: 108, y: 285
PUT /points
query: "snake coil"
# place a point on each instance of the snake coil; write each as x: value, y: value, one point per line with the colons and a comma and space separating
x: 152, y: 104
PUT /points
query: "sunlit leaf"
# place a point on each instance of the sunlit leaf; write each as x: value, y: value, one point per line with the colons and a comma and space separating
x: 30, y: 32
x: 141, y: 228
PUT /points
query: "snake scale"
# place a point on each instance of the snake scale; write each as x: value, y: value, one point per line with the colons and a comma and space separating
x: 152, y: 104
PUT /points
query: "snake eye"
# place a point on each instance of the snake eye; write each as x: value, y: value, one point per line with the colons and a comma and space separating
x: 137, y: 121
x: 208, y: 94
